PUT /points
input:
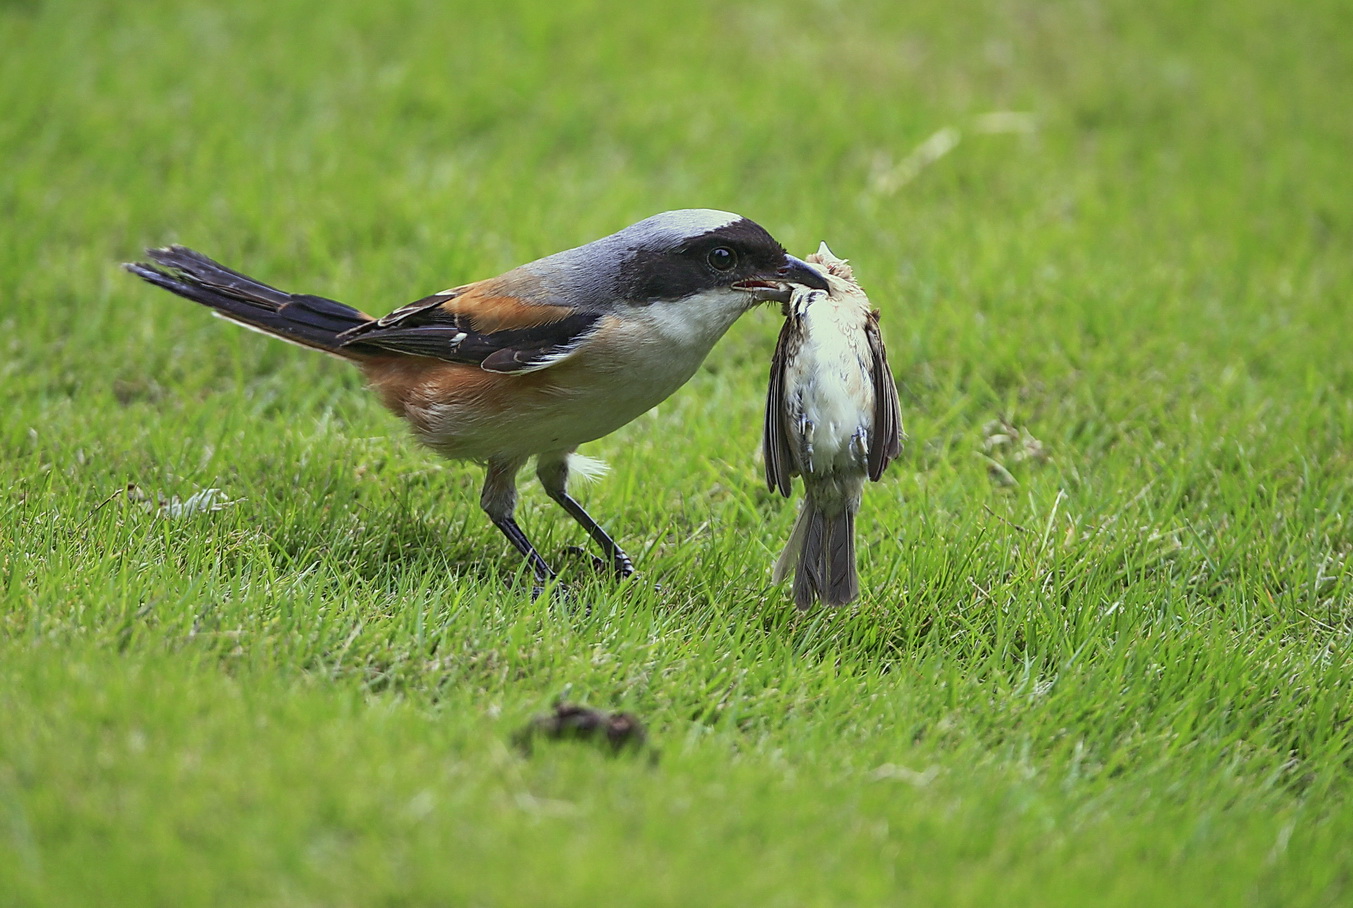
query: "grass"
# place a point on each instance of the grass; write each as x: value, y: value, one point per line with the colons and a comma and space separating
x: 1104, y: 653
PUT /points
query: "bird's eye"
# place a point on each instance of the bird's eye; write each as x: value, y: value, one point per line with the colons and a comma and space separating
x: 721, y: 258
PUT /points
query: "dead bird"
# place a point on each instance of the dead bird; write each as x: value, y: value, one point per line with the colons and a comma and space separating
x: 570, y: 722
x: 832, y: 417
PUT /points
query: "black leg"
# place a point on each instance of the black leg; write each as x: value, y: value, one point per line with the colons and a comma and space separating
x: 542, y: 571
x: 620, y: 562
x: 499, y: 501
x: 552, y: 471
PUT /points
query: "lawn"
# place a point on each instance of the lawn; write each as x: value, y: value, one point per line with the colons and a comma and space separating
x: 1103, y: 654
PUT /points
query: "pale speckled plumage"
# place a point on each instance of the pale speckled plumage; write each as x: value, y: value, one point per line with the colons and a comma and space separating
x: 830, y: 372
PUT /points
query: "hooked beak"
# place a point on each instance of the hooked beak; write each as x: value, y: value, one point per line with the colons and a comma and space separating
x: 797, y: 271
x: 774, y: 287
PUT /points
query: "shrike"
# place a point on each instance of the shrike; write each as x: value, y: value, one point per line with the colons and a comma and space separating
x: 536, y: 361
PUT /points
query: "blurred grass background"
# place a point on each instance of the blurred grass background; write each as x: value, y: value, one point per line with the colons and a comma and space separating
x: 1104, y: 654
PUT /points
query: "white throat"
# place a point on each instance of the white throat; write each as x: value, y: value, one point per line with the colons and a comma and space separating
x: 695, y: 324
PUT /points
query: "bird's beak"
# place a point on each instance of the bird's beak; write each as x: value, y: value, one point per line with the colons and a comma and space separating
x: 797, y: 271
x: 774, y: 286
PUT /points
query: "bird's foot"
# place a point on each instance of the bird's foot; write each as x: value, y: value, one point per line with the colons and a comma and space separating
x: 620, y: 567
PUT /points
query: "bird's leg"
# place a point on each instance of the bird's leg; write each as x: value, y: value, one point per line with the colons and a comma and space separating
x: 552, y: 470
x: 499, y: 501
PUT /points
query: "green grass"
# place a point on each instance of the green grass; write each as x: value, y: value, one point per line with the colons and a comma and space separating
x: 1117, y: 673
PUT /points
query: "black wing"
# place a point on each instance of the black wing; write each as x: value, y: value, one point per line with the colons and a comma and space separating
x: 885, y: 442
x: 498, y: 334
x: 776, y: 452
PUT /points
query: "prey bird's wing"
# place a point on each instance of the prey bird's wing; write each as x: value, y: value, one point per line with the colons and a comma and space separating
x: 481, y: 325
x: 885, y: 442
x: 776, y: 452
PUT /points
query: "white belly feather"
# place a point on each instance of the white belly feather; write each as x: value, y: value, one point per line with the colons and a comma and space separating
x: 829, y: 374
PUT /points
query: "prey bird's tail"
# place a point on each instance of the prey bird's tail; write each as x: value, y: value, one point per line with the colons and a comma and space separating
x: 821, y: 553
x: 311, y: 321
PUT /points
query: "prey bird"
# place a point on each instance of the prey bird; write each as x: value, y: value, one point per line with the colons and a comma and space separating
x: 832, y: 417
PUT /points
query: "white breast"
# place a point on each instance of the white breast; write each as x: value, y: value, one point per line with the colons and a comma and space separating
x: 830, y: 384
x: 630, y: 366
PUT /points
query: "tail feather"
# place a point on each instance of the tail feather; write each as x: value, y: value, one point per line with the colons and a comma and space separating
x: 821, y: 552
x: 311, y: 321
x: 843, y: 584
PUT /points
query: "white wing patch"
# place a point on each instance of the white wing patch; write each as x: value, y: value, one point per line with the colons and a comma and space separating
x: 550, y: 359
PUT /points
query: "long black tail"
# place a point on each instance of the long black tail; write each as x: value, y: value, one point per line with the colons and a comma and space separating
x: 311, y: 321
x: 821, y: 551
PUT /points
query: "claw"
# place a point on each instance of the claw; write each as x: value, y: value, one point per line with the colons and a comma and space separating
x: 577, y: 551
x: 621, y: 568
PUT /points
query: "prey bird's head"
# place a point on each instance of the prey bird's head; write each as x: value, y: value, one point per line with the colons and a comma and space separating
x: 715, y: 257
